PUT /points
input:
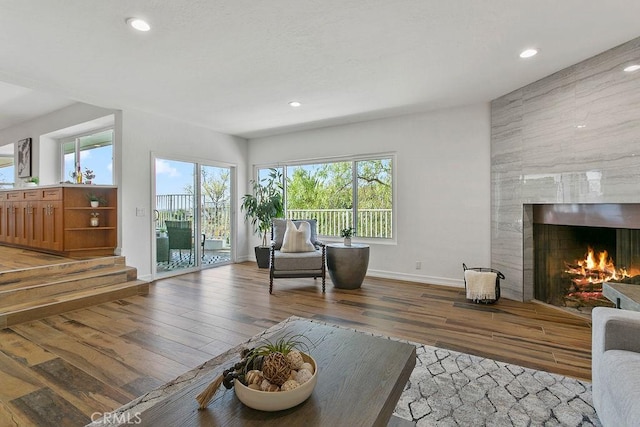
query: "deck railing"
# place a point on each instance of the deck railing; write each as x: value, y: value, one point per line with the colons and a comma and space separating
x: 370, y: 222
x: 217, y: 218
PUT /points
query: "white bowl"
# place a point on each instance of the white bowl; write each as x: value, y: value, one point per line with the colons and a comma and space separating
x: 277, y: 400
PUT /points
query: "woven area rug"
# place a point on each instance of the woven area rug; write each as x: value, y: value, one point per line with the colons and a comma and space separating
x: 447, y: 388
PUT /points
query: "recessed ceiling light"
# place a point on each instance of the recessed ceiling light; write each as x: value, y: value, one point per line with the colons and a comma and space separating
x: 632, y: 68
x: 139, y: 24
x: 295, y: 104
x: 581, y: 126
x: 528, y: 53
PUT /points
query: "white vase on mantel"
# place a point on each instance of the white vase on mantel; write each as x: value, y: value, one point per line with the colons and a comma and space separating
x: 347, y: 241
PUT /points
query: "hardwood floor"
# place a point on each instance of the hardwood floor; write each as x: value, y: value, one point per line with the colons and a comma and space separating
x: 15, y: 258
x: 62, y: 369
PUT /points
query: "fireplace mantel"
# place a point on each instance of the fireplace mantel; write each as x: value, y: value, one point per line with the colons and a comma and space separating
x: 611, y: 215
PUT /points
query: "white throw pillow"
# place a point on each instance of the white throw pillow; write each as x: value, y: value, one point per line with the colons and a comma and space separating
x: 297, y: 239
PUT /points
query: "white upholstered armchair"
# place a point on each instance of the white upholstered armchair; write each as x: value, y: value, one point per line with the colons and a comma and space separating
x: 298, y: 254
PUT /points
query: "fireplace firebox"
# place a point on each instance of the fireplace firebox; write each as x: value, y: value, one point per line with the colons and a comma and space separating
x: 578, y: 247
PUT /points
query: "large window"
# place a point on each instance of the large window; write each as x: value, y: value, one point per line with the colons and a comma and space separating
x: 6, y: 166
x: 354, y: 193
x: 92, y: 155
x: 6, y: 171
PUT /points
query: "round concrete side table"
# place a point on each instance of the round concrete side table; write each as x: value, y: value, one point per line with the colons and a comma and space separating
x: 347, y: 265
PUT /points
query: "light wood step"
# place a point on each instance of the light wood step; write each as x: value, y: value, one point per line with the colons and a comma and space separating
x: 62, y: 303
x: 38, y: 286
x: 35, y: 288
x: 12, y: 278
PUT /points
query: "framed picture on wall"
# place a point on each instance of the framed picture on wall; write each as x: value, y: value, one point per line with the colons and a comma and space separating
x: 24, y: 158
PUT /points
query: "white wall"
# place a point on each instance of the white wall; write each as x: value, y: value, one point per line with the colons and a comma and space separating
x: 136, y: 136
x: 143, y: 134
x: 442, y: 179
x: 442, y: 185
x: 43, y: 125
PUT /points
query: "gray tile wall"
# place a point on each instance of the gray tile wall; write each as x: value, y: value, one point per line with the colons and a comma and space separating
x: 540, y: 153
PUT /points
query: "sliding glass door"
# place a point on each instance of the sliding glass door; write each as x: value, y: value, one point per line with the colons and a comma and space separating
x: 215, y: 215
x: 192, y: 216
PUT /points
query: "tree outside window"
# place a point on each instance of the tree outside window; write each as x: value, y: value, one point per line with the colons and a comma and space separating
x: 339, y: 198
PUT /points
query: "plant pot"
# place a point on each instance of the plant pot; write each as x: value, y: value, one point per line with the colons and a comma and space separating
x: 94, y: 203
x: 262, y: 256
x: 30, y: 184
x: 347, y: 241
x: 94, y: 222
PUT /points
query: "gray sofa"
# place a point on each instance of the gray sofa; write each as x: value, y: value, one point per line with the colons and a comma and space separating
x: 616, y: 366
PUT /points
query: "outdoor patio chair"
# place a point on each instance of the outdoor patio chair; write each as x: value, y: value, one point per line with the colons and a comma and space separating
x: 180, y: 236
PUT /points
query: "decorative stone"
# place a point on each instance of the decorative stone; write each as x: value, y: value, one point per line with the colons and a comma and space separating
x: 290, y: 385
x: 295, y: 359
x: 303, y: 376
x: 308, y: 366
x: 254, y: 377
x: 267, y: 386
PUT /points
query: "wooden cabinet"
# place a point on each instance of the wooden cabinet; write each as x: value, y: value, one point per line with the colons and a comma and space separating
x: 79, y: 235
x: 58, y: 219
x: 15, y: 221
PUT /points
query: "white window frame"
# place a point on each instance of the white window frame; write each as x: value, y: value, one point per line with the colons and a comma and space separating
x: 74, y: 139
x: 353, y: 159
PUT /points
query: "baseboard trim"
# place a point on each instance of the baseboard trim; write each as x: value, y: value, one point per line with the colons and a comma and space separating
x: 431, y: 280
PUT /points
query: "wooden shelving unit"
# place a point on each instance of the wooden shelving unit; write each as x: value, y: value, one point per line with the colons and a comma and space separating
x: 58, y: 219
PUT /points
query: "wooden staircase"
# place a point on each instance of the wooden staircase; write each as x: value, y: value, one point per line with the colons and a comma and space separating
x: 36, y: 292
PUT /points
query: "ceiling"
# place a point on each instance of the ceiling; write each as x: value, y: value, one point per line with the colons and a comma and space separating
x: 233, y: 65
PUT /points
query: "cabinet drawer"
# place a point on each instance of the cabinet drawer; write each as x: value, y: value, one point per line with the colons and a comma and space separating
x: 32, y: 195
x: 3, y: 197
x: 14, y: 195
x: 52, y: 194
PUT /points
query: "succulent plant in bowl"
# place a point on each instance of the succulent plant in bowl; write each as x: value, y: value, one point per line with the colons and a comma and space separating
x: 272, y: 367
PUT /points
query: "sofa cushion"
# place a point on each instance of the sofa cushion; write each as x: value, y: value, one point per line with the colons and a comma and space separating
x: 280, y: 226
x: 620, y: 388
x: 297, y: 261
x: 296, y: 237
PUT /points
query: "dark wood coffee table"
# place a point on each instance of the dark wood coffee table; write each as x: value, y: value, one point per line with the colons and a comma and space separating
x: 360, y: 379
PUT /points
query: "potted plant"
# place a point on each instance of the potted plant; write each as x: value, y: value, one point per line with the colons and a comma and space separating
x: 32, y: 182
x: 261, y: 207
x: 94, y: 221
x: 347, y: 233
x: 88, y: 175
x: 95, y: 200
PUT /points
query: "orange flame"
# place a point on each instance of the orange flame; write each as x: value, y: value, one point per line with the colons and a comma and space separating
x: 595, y: 270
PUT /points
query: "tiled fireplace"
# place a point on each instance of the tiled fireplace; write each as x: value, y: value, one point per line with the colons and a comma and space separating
x: 577, y: 247
x: 572, y: 138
